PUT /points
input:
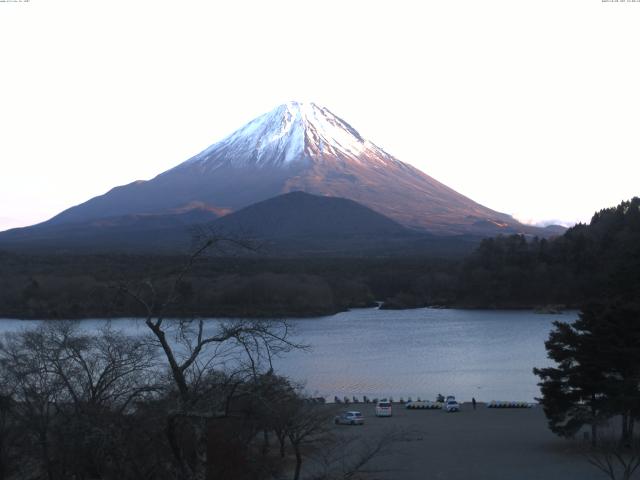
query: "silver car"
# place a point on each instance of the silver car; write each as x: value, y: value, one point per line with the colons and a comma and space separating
x: 349, y: 418
x: 451, y: 406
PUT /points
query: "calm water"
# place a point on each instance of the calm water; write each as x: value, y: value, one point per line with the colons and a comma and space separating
x: 485, y: 354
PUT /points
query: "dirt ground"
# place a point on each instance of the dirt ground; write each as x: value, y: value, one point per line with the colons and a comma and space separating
x: 486, y: 443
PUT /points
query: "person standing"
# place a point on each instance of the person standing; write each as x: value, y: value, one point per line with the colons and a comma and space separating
x: 473, y: 402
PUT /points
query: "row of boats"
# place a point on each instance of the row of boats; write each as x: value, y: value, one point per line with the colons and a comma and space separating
x: 401, y: 401
x: 497, y: 404
x: 426, y: 404
x: 355, y: 400
x: 365, y: 399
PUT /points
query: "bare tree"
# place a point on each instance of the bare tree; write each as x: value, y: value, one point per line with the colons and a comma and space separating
x: 36, y: 392
x: 192, y: 347
x: 617, y: 460
x: 279, y: 410
x: 307, y: 424
x: 69, y: 390
x: 8, y: 428
x: 103, y: 370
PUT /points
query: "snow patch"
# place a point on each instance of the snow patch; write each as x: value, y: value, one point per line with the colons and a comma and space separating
x: 291, y: 133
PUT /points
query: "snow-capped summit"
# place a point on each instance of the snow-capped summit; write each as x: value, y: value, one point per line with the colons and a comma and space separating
x: 299, y: 147
x: 293, y: 132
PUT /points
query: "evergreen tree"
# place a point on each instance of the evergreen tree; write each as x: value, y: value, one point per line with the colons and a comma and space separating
x: 573, y: 392
x: 598, y: 369
x: 617, y: 328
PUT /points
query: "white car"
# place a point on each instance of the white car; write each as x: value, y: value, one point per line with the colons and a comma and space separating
x: 383, y: 408
x: 349, y: 418
x: 451, y: 406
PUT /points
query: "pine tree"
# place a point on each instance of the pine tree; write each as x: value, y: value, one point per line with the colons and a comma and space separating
x: 598, y: 369
x: 573, y: 392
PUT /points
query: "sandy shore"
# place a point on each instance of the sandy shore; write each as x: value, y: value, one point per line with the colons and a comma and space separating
x: 485, y: 443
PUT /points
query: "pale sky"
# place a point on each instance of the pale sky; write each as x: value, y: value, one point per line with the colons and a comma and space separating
x: 529, y: 107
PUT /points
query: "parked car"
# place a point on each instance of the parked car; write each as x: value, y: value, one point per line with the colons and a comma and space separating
x: 450, y: 398
x: 383, y: 408
x: 349, y: 418
x: 452, y: 406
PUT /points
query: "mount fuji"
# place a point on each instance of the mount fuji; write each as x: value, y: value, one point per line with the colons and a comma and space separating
x: 295, y: 147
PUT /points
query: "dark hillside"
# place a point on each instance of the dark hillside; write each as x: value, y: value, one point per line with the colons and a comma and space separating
x: 299, y: 214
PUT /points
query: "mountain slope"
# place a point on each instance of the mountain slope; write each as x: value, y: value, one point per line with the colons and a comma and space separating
x: 301, y: 147
x: 134, y: 232
x: 292, y: 224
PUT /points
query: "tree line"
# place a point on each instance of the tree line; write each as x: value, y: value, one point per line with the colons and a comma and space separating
x: 586, y: 262
x: 79, y: 286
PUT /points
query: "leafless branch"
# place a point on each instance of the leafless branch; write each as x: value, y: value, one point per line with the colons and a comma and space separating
x: 616, y: 459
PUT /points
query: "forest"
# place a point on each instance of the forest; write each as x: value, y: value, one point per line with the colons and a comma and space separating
x: 503, y: 272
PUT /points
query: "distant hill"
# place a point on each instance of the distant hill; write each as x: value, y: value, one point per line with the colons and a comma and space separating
x: 299, y: 214
x: 292, y: 224
x: 299, y: 223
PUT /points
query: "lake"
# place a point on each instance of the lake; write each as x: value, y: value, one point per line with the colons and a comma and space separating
x: 486, y: 354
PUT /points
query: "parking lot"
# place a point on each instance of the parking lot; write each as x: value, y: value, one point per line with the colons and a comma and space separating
x: 484, y: 443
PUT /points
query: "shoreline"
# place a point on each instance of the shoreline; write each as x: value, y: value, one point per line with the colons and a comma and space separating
x: 298, y: 315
